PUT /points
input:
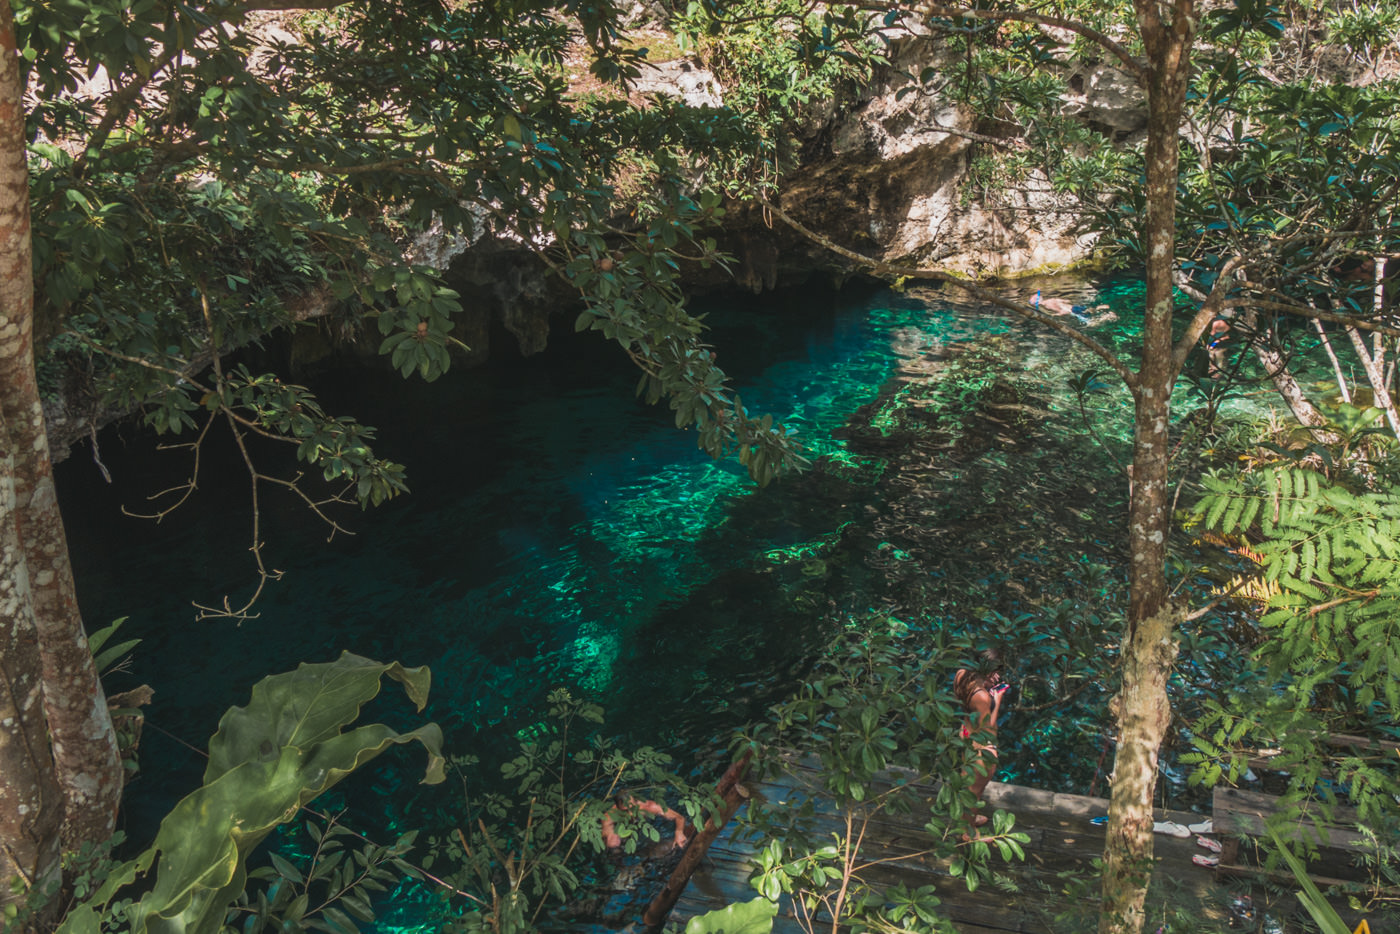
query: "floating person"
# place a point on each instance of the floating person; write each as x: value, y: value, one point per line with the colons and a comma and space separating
x: 1085, y: 315
x: 980, y: 690
x: 626, y: 807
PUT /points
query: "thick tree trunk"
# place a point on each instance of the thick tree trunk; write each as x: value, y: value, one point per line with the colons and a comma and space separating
x: 1148, y: 644
x: 79, y: 724
x: 30, y: 805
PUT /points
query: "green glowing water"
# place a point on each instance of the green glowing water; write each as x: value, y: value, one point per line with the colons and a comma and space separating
x: 559, y: 533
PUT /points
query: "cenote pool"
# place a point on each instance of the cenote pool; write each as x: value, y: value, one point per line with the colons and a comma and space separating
x: 562, y: 534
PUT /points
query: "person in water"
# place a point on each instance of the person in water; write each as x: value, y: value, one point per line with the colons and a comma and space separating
x: 626, y: 807
x: 980, y: 689
x: 1081, y: 313
x: 1215, y: 346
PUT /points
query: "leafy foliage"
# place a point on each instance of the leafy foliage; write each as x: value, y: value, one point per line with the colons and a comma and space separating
x: 1334, y: 554
x: 879, y: 720
x: 1323, y: 914
x: 1322, y: 692
x: 520, y: 854
x: 203, y: 175
x: 330, y: 890
x: 265, y: 762
x: 780, y: 63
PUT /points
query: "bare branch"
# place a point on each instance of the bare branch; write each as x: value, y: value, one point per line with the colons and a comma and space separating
x: 242, y: 613
x: 282, y: 5
x: 1202, y: 611
x: 116, y: 109
x: 979, y: 137
x: 185, y: 489
x: 1303, y: 311
x: 183, y: 374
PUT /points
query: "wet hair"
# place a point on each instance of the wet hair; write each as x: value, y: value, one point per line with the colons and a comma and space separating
x: 983, y: 664
x: 987, y: 661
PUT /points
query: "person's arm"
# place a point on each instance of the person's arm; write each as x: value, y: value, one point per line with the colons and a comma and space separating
x: 611, y: 840
x: 651, y: 807
x: 681, y: 839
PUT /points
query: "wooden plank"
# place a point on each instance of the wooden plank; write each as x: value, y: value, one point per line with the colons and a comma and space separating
x: 1285, y: 878
x: 1237, y: 811
x: 1062, y: 839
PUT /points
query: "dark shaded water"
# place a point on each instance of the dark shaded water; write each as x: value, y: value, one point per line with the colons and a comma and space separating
x: 560, y: 533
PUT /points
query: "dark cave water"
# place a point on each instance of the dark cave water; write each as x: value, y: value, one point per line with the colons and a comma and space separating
x: 561, y: 533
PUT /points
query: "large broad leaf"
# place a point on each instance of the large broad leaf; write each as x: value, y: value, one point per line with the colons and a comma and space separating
x: 751, y: 917
x: 304, y: 707
x: 267, y: 760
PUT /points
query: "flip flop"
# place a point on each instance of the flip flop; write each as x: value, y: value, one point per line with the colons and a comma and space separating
x: 1207, y: 861
x: 1205, y: 826
x: 1206, y: 843
x: 1099, y: 821
x: 1171, y: 828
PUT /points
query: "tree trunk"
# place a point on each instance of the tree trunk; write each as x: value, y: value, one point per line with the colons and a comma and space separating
x: 1277, y: 369
x: 1148, y: 644
x: 1374, y: 375
x: 79, y: 724
x: 30, y: 806
x: 1143, y: 716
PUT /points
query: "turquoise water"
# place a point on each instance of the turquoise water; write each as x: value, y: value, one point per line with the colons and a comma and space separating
x: 560, y: 533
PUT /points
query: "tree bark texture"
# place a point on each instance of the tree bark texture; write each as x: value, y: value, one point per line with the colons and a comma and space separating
x: 84, y: 745
x: 31, y: 808
x: 1168, y: 31
x: 1342, y: 386
x: 1143, y: 717
x: 30, y: 804
x: 1287, y: 387
x: 1379, y: 396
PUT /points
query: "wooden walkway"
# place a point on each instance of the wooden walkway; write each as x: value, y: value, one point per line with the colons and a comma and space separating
x: 1063, y: 843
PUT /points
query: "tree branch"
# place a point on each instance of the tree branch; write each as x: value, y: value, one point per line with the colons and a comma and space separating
x: 283, y: 5
x: 1303, y: 311
x: 1211, y: 306
x: 1115, y: 49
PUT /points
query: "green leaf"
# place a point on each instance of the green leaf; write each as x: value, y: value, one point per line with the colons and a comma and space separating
x: 751, y: 917
x: 1324, y: 914
x: 267, y: 760
x: 304, y: 707
x: 286, y: 869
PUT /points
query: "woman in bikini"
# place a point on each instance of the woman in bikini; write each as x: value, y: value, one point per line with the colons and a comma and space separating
x: 980, y: 690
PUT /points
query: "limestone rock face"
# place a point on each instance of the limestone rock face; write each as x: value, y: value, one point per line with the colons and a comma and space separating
x: 1108, y: 98
x: 681, y: 78
x: 888, y: 180
x: 504, y: 285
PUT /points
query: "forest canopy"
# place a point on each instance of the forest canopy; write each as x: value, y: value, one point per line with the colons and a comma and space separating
x: 179, y: 180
